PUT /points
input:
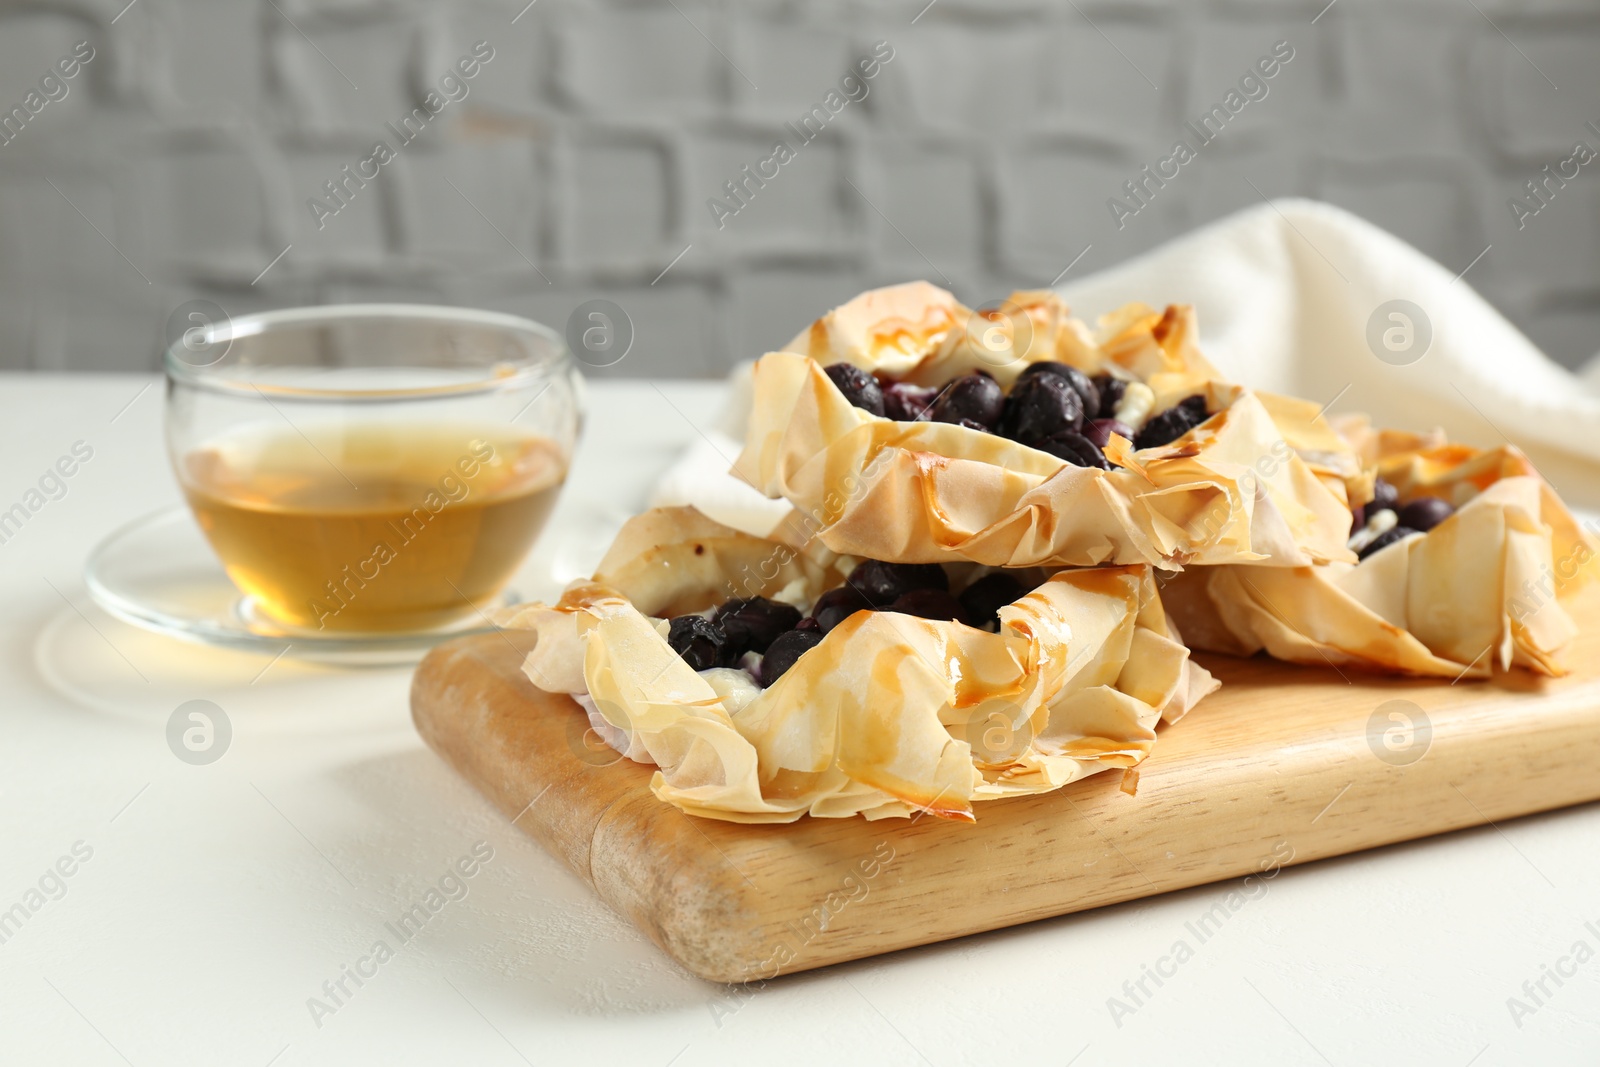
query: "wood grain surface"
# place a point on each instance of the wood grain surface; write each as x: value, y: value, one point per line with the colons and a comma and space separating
x: 1281, y: 766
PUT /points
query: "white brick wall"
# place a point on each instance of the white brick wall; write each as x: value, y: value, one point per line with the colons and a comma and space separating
x: 582, y: 160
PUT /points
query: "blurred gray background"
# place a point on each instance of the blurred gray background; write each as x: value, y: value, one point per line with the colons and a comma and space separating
x: 180, y: 162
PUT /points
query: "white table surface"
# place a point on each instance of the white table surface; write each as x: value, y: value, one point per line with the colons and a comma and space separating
x: 219, y: 898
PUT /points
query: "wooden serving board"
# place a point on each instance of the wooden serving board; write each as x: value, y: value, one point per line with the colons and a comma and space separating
x: 1276, y: 768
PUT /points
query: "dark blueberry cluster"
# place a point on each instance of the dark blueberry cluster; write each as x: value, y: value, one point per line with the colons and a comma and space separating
x: 788, y: 648
x: 972, y: 398
x: 1385, y: 539
x: 777, y: 632
x: 983, y: 599
x: 904, y: 402
x: 748, y: 624
x: 1418, y: 516
x: 753, y: 623
x: 1112, y: 390
x: 1173, y: 423
x: 1424, y: 513
x: 1053, y: 407
x: 914, y: 588
x: 858, y: 387
x: 700, y: 642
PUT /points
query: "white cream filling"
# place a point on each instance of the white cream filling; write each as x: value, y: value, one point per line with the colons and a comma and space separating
x: 1135, y: 406
x: 735, y: 688
x: 1379, y: 524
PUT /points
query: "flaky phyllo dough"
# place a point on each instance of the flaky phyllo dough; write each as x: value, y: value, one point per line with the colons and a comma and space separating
x: 890, y: 715
x: 1479, y: 593
x: 1232, y: 490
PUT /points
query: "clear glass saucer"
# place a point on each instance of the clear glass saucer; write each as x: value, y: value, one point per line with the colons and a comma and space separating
x: 159, y: 573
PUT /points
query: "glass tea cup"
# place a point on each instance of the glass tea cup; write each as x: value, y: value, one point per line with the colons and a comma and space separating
x: 371, y: 468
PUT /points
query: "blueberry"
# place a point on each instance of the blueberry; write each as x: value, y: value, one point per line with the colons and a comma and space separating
x: 1384, y: 540
x: 1358, y: 517
x: 881, y: 584
x: 973, y: 396
x: 1384, y: 495
x: 1040, y: 406
x: 858, y: 387
x: 752, y: 623
x: 1111, y: 390
x: 1099, y: 431
x: 1088, y: 392
x: 1172, y: 423
x: 810, y: 625
x: 837, y: 605
x: 1074, y: 448
x: 1196, y: 407
x: 904, y: 402
x: 699, y: 641
x: 929, y: 604
x: 1044, y: 366
x: 788, y: 647
x: 983, y: 599
x: 1425, y: 512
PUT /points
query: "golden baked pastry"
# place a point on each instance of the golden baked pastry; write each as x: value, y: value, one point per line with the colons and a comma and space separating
x: 1479, y: 591
x: 1232, y: 489
x: 888, y: 714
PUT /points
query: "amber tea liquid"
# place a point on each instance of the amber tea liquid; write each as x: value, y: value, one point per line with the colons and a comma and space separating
x: 373, y: 528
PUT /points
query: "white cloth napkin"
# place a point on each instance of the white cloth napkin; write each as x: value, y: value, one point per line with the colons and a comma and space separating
x: 1286, y: 293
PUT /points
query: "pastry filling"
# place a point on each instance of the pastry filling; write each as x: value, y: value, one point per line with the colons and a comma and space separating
x: 1384, y: 521
x: 1053, y: 407
x: 763, y: 638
